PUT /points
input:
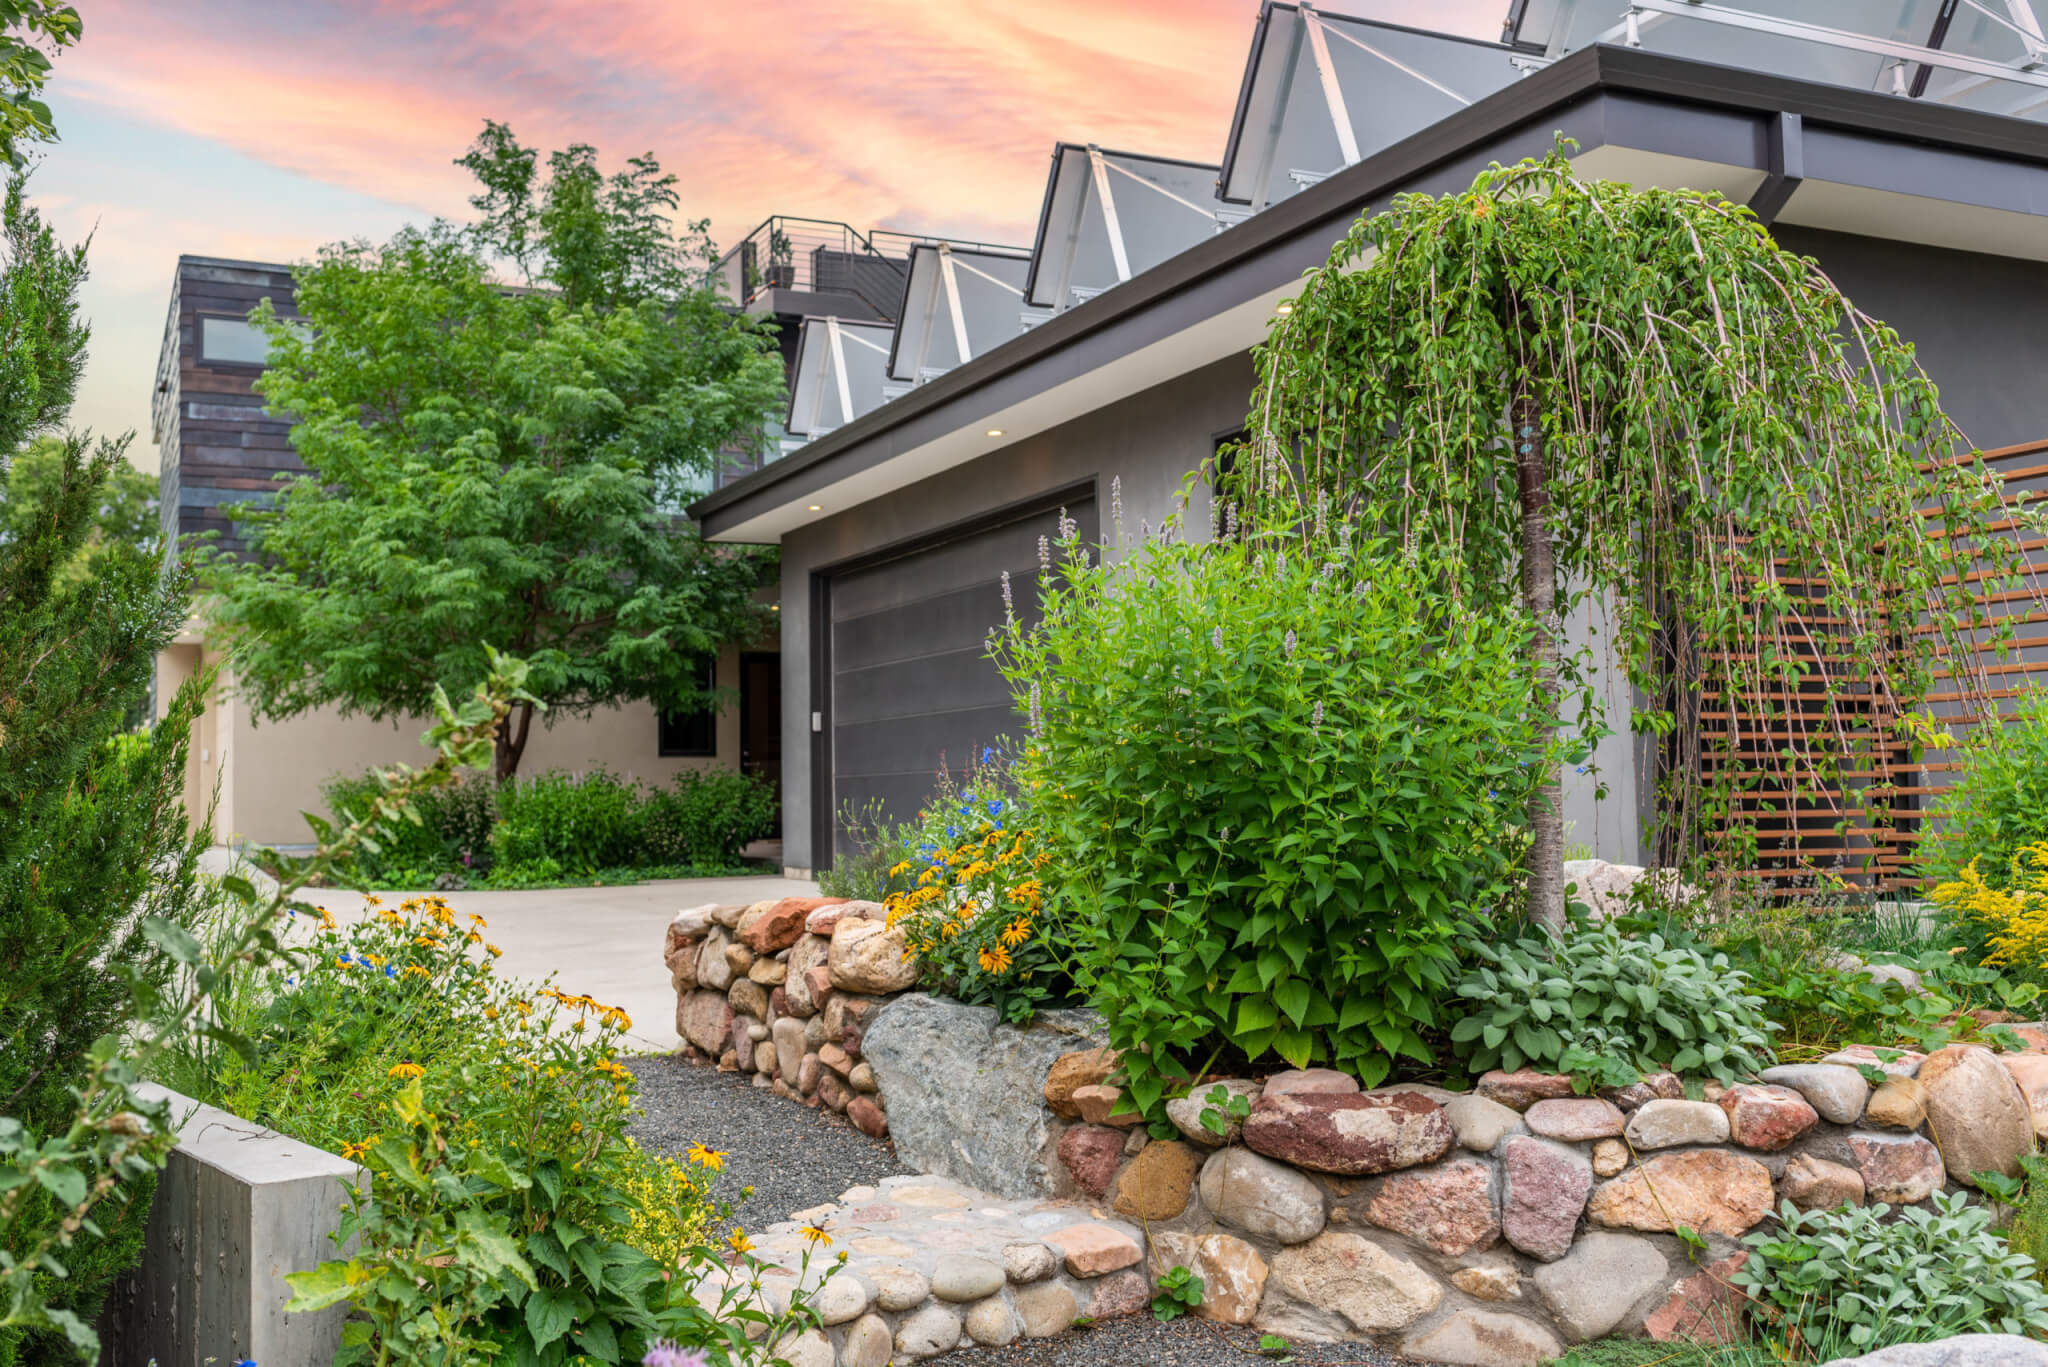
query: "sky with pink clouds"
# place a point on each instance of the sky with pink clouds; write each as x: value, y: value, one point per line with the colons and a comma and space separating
x: 264, y: 128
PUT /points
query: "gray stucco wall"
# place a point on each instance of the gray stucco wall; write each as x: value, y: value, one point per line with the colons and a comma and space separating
x: 1975, y: 321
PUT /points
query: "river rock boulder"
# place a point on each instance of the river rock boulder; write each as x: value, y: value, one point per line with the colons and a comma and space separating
x: 1348, y: 1133
x: 965, y: 1090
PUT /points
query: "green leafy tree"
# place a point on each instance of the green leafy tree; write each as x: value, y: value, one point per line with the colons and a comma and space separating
x: 1570, y: 392
x: 123, y: 517
x: 30, y: 30
x: 492, y: 466
x: 93, y: 838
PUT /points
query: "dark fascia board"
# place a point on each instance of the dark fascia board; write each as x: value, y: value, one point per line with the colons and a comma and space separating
x: 1553, y: 89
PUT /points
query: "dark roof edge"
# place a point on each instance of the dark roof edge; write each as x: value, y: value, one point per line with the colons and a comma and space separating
x: 1562, y: 83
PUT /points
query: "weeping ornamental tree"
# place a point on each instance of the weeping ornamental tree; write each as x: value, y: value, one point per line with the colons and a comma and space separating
x: 1565, y: 392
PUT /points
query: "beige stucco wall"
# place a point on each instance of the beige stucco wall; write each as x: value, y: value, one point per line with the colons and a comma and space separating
x: 266, y: 774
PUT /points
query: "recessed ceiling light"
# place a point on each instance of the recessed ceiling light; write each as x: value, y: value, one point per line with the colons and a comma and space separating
x: 775, y: 607
x: 817, y: 508
x: 995, y: 431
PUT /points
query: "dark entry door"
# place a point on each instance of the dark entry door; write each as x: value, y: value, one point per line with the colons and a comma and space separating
x: 910, y: 685
x: 761, y: 715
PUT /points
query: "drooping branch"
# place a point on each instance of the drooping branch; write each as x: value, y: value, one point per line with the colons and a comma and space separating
x: 1741, y: 467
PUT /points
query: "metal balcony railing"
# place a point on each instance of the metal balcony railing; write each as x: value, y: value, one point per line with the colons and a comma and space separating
x: 813, y: 256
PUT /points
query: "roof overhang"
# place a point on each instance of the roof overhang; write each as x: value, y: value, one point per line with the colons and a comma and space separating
x: 1818, y: 156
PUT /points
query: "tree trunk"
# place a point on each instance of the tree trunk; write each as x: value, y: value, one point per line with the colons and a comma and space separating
x: 1539, y: 596
x: 510, y: 742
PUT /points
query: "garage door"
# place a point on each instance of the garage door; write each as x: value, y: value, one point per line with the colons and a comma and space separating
x: 911, y: 687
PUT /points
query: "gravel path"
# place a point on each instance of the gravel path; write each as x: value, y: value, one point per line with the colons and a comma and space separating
x: 1141, y: 1341
x: 796, y: 1157
x: 792, y: 1156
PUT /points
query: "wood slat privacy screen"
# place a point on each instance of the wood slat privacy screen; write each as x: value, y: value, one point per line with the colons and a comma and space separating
x: 1859, y: 831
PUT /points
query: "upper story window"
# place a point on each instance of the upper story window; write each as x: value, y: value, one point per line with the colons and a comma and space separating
x: 234, y: 341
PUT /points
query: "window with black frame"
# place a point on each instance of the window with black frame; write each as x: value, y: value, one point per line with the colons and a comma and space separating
x: 692, y: 733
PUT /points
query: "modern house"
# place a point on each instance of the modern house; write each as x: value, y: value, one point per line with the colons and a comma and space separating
x: 1899, y: 145
x: 217, y: 446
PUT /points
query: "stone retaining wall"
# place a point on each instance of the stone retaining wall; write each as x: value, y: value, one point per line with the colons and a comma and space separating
x: 1489, y: 1228
x: 784, y: 989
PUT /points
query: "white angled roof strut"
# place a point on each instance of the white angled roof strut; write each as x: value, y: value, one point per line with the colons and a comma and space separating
x: 1109, y: 219
x: 1333, y: 90
x: 952, y: 283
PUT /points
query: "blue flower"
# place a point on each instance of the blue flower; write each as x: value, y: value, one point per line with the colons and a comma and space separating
x: 390, y: 972
x: 952, y: 832
x: 995, y: 806
x: 988, y: 754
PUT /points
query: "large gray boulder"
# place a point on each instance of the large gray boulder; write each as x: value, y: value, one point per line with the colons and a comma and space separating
x: 1964, y: 1350
x: 966, y: 1092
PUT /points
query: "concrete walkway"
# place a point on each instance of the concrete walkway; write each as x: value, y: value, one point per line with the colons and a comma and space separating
x: 604, y: 942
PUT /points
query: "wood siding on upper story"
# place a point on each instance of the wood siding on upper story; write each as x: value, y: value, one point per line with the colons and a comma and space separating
x: 216, y: 445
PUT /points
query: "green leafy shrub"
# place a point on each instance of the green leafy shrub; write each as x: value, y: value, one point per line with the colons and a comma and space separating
x: 453, y: 830
x: 507, y: 1215
x: 706, y: 817
x: 1606, y: 1006
x: 1277, y: 775
x: 1859, y: 1274
x: 581, y: 823
x: 1998, y: 804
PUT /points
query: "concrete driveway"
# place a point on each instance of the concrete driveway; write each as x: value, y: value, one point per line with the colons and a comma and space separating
x: 604, y: 942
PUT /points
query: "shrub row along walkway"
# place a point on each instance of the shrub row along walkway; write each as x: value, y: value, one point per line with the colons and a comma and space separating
x: 1004, y: 1268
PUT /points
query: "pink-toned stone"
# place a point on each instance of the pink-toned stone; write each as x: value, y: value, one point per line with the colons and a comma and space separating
x: 1524, y: 1087
x: 1975, y: 1112
x: 1349, y: 1134
x: 778, y: 927
x: 1897, y: 1169
x: 834, y: 1057
x: 849, y: 1040
x: 1070, y: 1072
x: 1544, y: 1188
x: 1702, y: 1308
x: 1311, y: 1081
x: 1651, y: 1087
x: 800, y: 987
x: 831, y: 912
x: 1816, y: 1184
x: 1098, y: 1102
x: 1708, y: 1190
x: 680, y: 954
x: 1125, y: 1293
x: 1448, y: 1208
x: 704, y: 1018
x: 867, y: 1117
x: 778, y: 1002
x: 1577, y: 1119
x: 1095, y: 1250
x: 2030, y: 1073
x: 807, y: 1070
x: 743, y: 1043
x: 2033, y: 1036
x: 1091, y: 1154
x: 833, y: 1090
x: 1766, y: 1117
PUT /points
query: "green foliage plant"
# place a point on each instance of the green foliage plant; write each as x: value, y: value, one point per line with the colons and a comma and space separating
x: 1567, y: 392
x: 1998, y: 804
x: 124, y: 516
x: 30, y: 32
x: 111, y: 1138
x: 507, y: 1215
x: 579, y: 821
x: 1176, y: 1294
x: 1279, y: 775
x: 96, y: 858
x: 706, y: 817
x: 1863, y: 1275
x: 500, y: 467
x: 873, y: 846
x: 1607, y: 1006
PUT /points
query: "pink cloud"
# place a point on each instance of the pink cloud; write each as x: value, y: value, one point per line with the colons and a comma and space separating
x: 903, y: 112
